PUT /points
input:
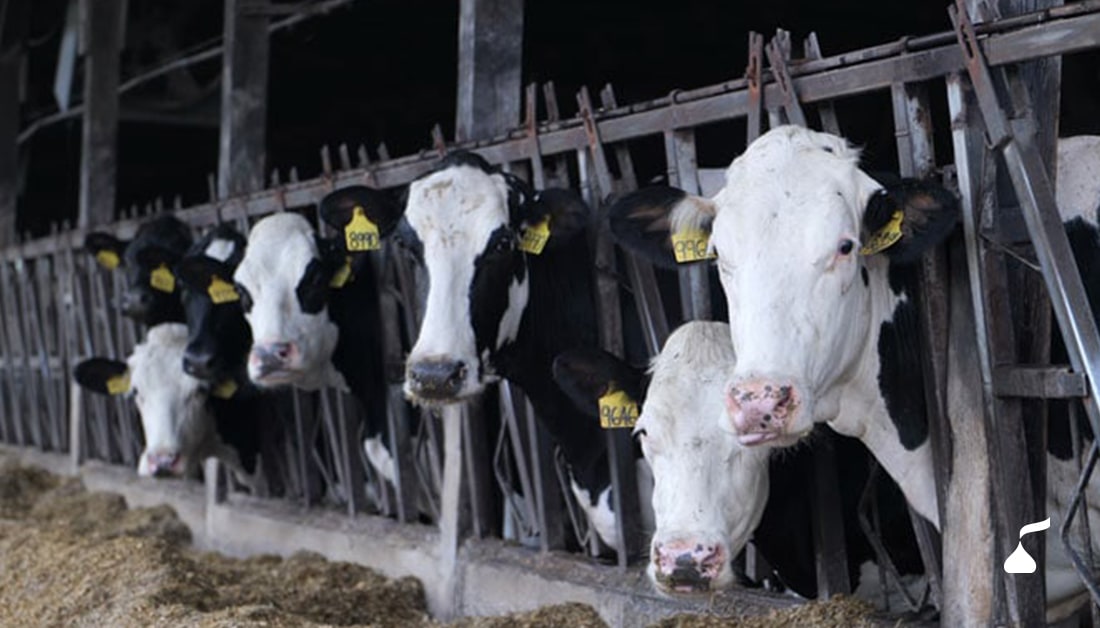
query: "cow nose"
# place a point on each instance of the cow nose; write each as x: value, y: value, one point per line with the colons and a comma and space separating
x: 436, y: 379
x: 163, y: 464
x: 270, y: 357
x: 760, y: 410
x: 199, y: 364
x: 687, y: 565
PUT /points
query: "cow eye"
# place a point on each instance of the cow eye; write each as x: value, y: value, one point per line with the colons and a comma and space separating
x: 846, y: 246
x: 246, y: 297
x: 504, y: 243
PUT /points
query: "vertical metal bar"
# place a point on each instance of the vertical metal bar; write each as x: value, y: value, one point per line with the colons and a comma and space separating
x: 754, y: 75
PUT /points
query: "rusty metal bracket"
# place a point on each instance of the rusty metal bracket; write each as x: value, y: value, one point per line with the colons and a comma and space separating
x: 754, y: 75
x: 778, y: 62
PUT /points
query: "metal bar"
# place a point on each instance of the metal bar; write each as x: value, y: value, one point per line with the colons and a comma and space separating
x: 754, y: 78
x: 778, y: 52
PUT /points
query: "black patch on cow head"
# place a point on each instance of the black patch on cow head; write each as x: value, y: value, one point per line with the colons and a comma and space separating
x: 94, y: 373
x: 223, y: 231
x: 314, y: 285
x: 495, y: 269
x: 160, y: 241
x: 218, y: 336
x: 899, y: 375
x: 585, y: 374
x: 929, y: 213
x: 639, y: 222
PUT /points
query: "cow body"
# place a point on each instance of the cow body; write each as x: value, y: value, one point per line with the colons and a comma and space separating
x: 495, y: 311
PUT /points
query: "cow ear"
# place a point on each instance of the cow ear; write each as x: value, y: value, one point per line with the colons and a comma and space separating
x: 199, y: 273
x: 152, y: 256
x: 663, y: 224
x: 103, y: 375
x: 552, y: 217
x: 907, y: 218
x: 362, y: 214
x: 586, y: 374
x: 106, y: 248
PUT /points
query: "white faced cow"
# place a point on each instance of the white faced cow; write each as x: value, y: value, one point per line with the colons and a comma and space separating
x: 509, y: 288
x: 176, y: 416
x: 815, y: 258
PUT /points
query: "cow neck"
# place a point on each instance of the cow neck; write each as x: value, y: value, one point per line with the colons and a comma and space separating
x: 560, y: 315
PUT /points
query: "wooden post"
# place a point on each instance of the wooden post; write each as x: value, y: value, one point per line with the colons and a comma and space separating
x: 490, y: 48
x: 244, y: 101
x: 9, y: 149
x: 102, y: 35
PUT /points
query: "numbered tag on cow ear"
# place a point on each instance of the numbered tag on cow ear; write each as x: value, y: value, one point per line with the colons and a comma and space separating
x: 119, y: 384
x: 361, y: 234
x: 225, y: 390
x: 342, y: 275
x: 885, y: 237
x: 617, y: 410
x: 162, y: 279
x: 107, y: 259
x: 222, y: 291
x: 691, y: 245
x: 535, y: 236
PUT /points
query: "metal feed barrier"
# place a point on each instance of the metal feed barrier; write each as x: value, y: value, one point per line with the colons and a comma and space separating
x: 59, y: 306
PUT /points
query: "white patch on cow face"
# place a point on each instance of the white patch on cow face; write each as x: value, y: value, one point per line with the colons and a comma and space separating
x: 220, y: 249
x: 280, y: 248
x: 799, y: 314
x: 708, y: 489
x: 600, y: 515
x: 172, y: 404
x: 454, y: 213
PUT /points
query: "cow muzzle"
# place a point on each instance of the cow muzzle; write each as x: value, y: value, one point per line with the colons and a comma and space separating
x: 272, y: 363
x: 688, y: 565
x: 438, y: 380
x: 761, y: 410
x: 162, y: 464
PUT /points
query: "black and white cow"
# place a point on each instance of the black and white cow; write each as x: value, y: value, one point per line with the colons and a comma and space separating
x: 818, y: 275
x: 177, y: 416
x: 510, y: 287
x: 711, y: 493
x: 315, y: 320
x: 151, y: 296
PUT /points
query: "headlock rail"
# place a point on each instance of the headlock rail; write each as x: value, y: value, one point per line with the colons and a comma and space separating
x: 59, y: 307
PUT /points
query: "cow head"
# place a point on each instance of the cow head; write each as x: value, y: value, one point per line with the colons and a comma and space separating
x: 150, y: 296
x: 709, y: 492
x: 471, y: 225
x: 218, y: 334
x: 172, y: 404
x: 805, y: 242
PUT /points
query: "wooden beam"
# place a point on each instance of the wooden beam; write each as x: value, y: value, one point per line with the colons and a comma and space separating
x: 244, y: 101
x: 102, y: 29
x: 490, y: 49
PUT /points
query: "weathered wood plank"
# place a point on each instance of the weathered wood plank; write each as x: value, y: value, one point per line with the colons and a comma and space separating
x: 102, y: 26
x: 243, y: 134
x: 490, y: 47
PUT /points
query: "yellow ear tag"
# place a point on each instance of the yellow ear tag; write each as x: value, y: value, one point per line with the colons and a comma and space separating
x: 162, y: 279
x: 107, y: 259
x: 222, y: 291
x: 535, y: 237
x: 885, y: 237
x: 225, y: 390
x: 119, y: 384
x: 341, y: 277
x: 361, y: 234
x: 690, y: 245
x: 617, y: 410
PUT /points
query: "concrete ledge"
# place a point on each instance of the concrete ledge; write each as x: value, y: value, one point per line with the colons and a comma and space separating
x: 492, y: 576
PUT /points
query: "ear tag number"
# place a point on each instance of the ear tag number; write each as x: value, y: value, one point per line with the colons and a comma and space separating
x: 119, y: 384
x: 535, y: 237
x: 690, y: 245
x: 225, y: 390
x: 107, y: 259
x: 617, y: 410
x: 162, y: 279
x: 222, y: 291
x: 885, y: 237
x: 342, y: 276
x: 361, y: 234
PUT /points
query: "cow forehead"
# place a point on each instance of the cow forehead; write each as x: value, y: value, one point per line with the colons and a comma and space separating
x: 157, y: 362
x: 458, y: 205
x: 685, y: 389
x: 279, y: 249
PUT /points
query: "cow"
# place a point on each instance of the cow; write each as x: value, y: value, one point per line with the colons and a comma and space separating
x: 150, y: 296
x: 820, y: 283
x: 510, y: 287
x: 315, y: 320
x: 711, y: 493
x: 176, y: 413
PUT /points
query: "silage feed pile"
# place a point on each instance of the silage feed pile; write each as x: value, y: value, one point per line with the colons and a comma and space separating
x: 70, y: 557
